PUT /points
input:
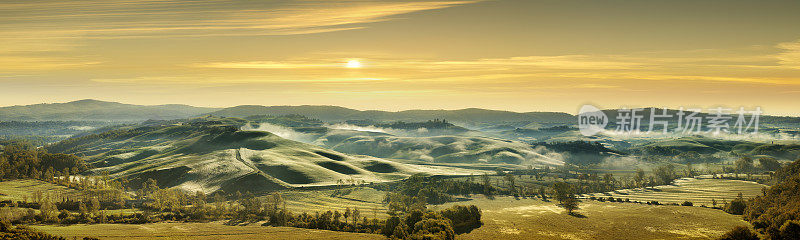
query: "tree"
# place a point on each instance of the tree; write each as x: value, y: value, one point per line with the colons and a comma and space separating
x: 49, y: 174
x: 769, y: 164
x: 433, y: 226
x: 84, y: 213
x: 511, y: 183
x: 744, y: 165
x: 487, y: 186
x: 347, y: 214
x: 790, y: 230
x: 543, y: 193
x: 736, y: 206
x: 356, y: 214
x: 401, y: 231
x: 390, y: 225
x: 48, y: 211
x: 463, y: 218
x: 665, y: 174
x: 95, y: 206
x: 565, y: 195
x: 639, y: 178
x: 608, y: 179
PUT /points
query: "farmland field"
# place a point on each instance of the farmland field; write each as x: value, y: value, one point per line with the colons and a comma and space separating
x: 507, y: 218
x: 195, y: 231
x: 19, y: 190
x: 367, y: 200
x: 699, y: 191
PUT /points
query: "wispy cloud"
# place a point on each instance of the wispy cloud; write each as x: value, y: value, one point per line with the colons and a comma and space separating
x: 22, y: 63
x: 270, y: 64
x: 94, y: 19
x: 550, y: 62
x: 790, y: 56
x: 29, y: 29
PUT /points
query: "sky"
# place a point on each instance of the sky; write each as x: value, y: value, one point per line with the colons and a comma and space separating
x: 517, y: 55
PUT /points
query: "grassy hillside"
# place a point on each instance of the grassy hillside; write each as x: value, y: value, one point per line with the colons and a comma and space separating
x: 20, y: 190
x: 212, y: 154
x: 700, y: 191
x: 441, y: 149
x: 506, y: 218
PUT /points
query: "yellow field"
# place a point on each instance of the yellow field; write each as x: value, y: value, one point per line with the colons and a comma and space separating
x: 366, y: 200
x: 506, y: 218
x: 19, y: 190
x: 699, y: 191
x: 195, y: 231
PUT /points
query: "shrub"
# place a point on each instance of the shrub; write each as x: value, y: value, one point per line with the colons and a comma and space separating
x: 736, y: 206
x: 463, y: 218
x: 790, y: 230
x: 740, y: 233
x: 433, y: 228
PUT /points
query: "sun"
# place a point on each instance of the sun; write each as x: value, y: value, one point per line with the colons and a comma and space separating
x: 353, y: 64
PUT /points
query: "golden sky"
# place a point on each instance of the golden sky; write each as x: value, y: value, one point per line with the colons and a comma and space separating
x: 519, y: 55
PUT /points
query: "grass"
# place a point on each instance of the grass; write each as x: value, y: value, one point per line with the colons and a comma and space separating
x: 507, y: 218
x: 19, y: 190
x: 213, y: 230
x: 365, y: 199
x: 699, y: 191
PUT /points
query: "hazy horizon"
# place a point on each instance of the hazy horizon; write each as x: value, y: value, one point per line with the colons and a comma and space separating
x: 705, y: 110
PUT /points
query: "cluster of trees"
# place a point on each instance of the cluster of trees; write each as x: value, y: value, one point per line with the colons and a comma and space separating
x: 421, y: 189
x: 424, y: 224
x: 775, y: 214
x: 35, y: 140
x: 21, y: 232
x: 594, y: 182
x: 430, y: 124
x: 46, y: 128
x: 410, y: 218
x: 290, y: 120
x: 746, y: 165
x: 23, y: 160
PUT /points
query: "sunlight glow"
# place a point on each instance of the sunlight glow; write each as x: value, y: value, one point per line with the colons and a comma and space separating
x: 353, y: 64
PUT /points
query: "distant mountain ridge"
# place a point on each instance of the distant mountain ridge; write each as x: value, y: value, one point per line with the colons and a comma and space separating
x: 337, y: 114
x: 96, y: 110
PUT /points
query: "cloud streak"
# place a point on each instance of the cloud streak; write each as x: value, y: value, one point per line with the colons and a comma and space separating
x: 111, y: 19
x: 790, y: 57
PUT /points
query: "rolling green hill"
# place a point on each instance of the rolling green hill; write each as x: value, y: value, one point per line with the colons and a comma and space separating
x: 439, y: 149
x: 212, y: 154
